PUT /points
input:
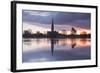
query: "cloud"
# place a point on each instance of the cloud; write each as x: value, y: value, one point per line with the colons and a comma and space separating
x: 37, y: 13
x: 60, y: 18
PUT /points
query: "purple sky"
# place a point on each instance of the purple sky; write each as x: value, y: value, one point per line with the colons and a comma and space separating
x: 81, y: 20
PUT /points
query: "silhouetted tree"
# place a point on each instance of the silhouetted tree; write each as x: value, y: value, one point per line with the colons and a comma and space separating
x: 27, y: 34
x: 73, y: 31
x: 38, y: 32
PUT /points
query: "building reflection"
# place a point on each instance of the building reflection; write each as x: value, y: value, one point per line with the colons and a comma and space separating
x: 52, y: 42
x: 52, y: 46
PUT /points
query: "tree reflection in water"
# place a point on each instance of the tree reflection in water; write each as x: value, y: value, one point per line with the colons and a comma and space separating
x: 72, y: 42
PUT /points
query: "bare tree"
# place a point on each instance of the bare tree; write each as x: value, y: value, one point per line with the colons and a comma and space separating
x: 73, y: 31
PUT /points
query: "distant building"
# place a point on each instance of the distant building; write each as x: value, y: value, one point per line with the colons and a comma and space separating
x: 52, y: 33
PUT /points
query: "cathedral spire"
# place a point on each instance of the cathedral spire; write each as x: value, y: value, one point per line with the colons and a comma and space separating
x: 52, y: 26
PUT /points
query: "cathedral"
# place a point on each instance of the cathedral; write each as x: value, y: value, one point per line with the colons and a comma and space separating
x: 52, y: 33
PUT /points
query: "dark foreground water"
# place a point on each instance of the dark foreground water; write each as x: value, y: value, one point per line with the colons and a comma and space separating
x: 39, y: 50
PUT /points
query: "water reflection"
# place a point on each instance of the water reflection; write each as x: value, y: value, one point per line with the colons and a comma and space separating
x: 61, y: 49
x: 73, y: 43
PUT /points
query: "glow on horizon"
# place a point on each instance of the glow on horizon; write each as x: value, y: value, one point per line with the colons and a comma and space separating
x: 35, y: 28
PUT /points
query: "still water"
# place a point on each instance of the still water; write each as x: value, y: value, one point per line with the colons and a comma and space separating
x: 40, y: 50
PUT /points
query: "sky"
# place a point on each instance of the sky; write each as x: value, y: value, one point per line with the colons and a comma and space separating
x: 62, y: 20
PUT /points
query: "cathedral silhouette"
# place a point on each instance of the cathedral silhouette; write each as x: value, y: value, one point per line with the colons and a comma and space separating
x: 52, y: 33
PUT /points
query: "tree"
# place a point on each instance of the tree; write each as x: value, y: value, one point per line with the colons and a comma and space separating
x: 73, y: 31
x: 26, y: 32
